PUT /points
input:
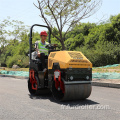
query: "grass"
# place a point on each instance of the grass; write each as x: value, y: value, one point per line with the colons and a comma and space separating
x: 12, y: 69
x: 95, y: 69
x: 109, y: 69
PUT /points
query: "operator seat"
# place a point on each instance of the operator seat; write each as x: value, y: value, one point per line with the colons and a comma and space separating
x: 38, y: 61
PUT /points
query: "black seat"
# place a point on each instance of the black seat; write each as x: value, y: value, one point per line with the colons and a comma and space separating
x: 38, y: 62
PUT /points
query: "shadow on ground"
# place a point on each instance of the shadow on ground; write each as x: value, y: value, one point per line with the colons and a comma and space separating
x: 71, y: 103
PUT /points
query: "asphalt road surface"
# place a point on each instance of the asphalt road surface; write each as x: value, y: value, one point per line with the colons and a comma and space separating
x: 17, y: 104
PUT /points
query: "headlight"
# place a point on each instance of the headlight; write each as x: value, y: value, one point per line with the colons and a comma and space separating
x: 87, y: 77
x: 56, y: 74
x: 71, y: 78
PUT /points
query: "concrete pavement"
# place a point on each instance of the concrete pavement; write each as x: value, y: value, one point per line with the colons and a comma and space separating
x: 17, y: 103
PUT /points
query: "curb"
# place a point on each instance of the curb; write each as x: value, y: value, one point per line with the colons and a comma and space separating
x: 101, y: 84
x: 18, y: 77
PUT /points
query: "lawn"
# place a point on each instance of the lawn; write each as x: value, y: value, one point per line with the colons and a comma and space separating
x: 95, y: 69
x: 104, y: 70
x: 12, y: 69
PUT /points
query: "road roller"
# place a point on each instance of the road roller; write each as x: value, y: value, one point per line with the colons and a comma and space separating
x: 68, y: 75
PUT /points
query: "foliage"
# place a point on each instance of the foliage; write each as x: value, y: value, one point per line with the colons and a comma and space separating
x: 64, y: 14
x: 99, y: 43
x: 14, y: 45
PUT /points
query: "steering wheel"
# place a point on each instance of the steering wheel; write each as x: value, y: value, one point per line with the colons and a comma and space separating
x: 51, y: 46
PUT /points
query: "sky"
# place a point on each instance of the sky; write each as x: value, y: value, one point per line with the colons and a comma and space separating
x: 24, y: 10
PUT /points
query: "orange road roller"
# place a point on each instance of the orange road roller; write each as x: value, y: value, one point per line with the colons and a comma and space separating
x: 68, y: 75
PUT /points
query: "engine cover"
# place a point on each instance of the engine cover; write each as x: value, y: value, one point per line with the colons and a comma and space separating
x: 68, y: 59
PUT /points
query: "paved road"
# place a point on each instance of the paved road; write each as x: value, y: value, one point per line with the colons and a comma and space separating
x: 16, y: 103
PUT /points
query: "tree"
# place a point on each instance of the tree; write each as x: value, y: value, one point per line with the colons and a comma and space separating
x: 115, y: 20
x: 83, y: 28
x: 77, y: 41
x: 13, y: 41
x: 18, y: 29
x: 64, y: 14
x: 3, y: 32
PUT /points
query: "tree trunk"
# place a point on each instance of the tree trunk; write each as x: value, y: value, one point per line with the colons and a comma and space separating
x: 63, y: 45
